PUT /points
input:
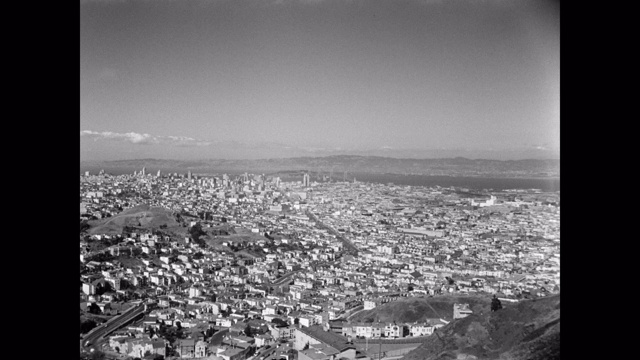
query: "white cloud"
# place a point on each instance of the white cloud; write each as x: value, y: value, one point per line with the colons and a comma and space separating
x: 144, y: 139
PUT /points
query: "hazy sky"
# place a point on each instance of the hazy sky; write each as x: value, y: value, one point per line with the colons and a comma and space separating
x: 188, y: 79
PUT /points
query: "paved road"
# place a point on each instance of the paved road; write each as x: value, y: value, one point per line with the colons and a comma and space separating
x: 350, y: 247
x: 285, y: 277
x: 111, y: 325
x: 349, y: 316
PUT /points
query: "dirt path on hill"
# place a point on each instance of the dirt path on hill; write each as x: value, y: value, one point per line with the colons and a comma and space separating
x: 434, y: 310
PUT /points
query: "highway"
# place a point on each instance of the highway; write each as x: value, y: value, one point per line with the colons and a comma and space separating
x: 285, y: 278
x: 113, y: 324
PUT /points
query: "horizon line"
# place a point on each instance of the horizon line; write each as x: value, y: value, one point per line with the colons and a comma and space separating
x: 322, y: 156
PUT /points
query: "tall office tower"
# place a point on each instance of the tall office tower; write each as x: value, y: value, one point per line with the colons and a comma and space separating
x: 144, y: 171
x: 305, y: 180
x: 158, y: 175
x: 189, y: 175
x: 86, y: 173
x: 135, y: 173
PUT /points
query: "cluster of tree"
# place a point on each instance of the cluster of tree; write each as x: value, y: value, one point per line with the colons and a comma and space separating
x: 495, y: 304
x: 128, y: 230
x: 251, y: 351
x: 127, y: 194
x: 171, y: 333
x: 84, y: 226
x: 185, y: 213
x: 209, y: 332
x: 112, y: 241
x: 95, y: 355
x: 101, y: 257
x: 196, y: 234
x: 279, y: 322
x: 94, y: 309
x: 104, y: 288
x: 87, y: 325
x: 234, y: 247
x: 205, y: 215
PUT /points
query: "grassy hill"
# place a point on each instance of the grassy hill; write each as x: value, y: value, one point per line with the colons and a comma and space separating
x: 143, y: 216
x: 527, y: 330
x: 412, y: 309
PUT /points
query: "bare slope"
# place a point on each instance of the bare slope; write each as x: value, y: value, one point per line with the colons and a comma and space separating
x: 143, y: 216
x: 413, y: 309
x: 527, y: 330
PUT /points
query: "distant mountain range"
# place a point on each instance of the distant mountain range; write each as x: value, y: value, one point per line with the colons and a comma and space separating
x: 459, y: 166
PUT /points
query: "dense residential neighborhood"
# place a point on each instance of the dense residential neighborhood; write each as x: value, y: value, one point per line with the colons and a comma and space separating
x: 248, y: 266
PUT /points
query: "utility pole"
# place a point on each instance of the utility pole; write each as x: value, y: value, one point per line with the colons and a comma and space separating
x: 380, y: 341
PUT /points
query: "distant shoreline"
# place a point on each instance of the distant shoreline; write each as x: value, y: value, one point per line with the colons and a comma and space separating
x: 122, y: 170
x: 497, y: 183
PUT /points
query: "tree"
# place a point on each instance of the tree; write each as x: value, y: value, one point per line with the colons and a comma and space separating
x: 251, y: 351
x: 106, y: 287
x: 247, y: 331
x: 495, y: 304
x: 86, y: 326
x: 94, y: 308
x: 84, y: 226
x: 98, y: 355
x: 210, y: 331
x: 279, y: 322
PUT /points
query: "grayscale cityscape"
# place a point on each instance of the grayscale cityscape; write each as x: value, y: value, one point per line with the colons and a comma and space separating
x: 319, y: 179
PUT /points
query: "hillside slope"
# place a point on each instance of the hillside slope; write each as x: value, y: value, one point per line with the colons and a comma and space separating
x: 143, y: 216
x: 527, y: 330
x: 406, y: 310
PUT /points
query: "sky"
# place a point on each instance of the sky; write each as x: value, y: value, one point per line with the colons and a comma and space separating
x: 233, y: 79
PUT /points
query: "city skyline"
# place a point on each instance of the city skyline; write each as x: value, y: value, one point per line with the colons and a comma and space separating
x: 259, y: 79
